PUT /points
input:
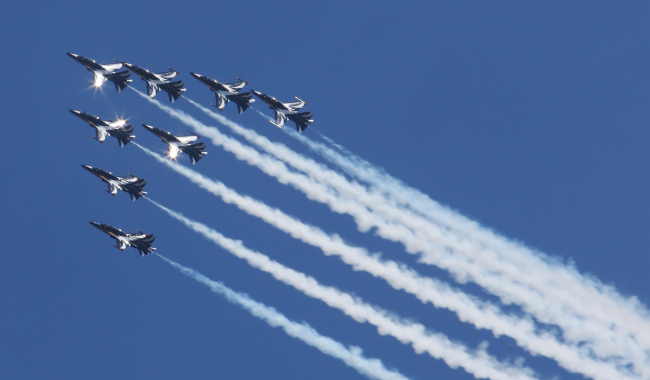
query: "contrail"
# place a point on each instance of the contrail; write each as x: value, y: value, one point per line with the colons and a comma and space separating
x: 624, y: 316
x: 476, y: 362
x: 352, y: 356
x: 540, y: 288
x: 400, y: 277
x: 608, y: 343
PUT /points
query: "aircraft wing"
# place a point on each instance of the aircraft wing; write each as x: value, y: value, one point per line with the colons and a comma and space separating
x: 128, y: 180
x: 98, y: 79
x: 101, y: 134
x: 221, y: 101
x: 295, y: 106
x: 167, y: 75
x: 236, y: 86
x: 115, y: 123
x: 112, y: 188
x: 173, y: 151
x: 280, y: 118
x: 121, y: 244
x: 187, y: 139
x: 110, y: 67
x: 152, y: 89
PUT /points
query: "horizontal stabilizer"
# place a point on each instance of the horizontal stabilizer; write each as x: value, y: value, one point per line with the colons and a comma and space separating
x: 178, y: 85
x: 198, y: 146
x: 305, y: 115
x: 174, y: 89
x: 120, y: 79
x: 302, y: 120
x: 135, y: 189
x: 195, y: 151
x: 243, y: 101
x: 122, y: 136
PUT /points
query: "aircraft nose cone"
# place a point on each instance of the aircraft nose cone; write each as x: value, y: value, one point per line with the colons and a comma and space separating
x: 197, y: 76
x: 257, y: 93
x: 149, y: 128
x: 86, y: 167
x: 95, y: 224
x: 75, y: 112
x: 72, y: 55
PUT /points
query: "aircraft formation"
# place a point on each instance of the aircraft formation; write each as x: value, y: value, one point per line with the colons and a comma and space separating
x: 224, y: 92
x: 122, y: 131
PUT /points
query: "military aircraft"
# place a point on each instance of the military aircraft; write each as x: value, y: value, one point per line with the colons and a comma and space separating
x: 159, y: 81
x: 102, y: 73
x: 284, y: 111
x: 131, y: 184
x: 140, y: 241
x: 225, y: 92
x: 179, y: 144
x: 116, y: 128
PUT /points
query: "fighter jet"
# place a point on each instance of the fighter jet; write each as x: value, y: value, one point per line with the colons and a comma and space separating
x: 284, y: 111
x: 116, y: 128
x: 140, y: 241
x: 159, y: 81
x: 179, y: 144
x: 131, y: 184
x: 102, y: 73
x: 225, y: 92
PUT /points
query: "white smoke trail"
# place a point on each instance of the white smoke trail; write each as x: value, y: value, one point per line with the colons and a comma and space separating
x: 469, y: 309
x: 478, y: 363
x: 352, y: 356
x: 577, y: 329
x: 629, y: 311
x: 626, y: 317
x: 515, y: 278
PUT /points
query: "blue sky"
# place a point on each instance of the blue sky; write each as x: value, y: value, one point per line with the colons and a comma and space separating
x: 531, y: 119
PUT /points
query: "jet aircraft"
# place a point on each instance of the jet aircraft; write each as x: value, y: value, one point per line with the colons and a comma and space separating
x: 284, y: 111
x: 139, y: 240
x: 131, y: 184
x: 104, y: 72
x: 159, y: 81
x: 225, y: 92
x: 179, y: 144
x: 116, y: 128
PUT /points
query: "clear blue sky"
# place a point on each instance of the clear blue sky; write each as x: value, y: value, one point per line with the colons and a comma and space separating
x: 529, y: 118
